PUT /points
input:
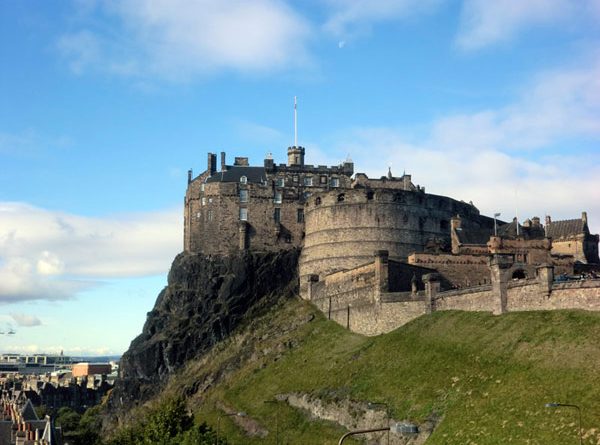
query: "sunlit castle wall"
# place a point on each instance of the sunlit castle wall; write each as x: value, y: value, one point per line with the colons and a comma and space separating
x: 344, y: 229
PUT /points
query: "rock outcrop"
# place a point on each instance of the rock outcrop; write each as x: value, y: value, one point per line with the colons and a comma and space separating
x: 206, y: 298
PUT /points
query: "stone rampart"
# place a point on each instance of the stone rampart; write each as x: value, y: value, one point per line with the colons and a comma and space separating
x: 344, y: 227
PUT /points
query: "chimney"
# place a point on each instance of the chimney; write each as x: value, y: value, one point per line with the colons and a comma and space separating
x: 189, y: 175
x: 584, y: 217
x: 212, y: 164
x: 223, y: 166
x: 548, y: 220
x: 535, y: 221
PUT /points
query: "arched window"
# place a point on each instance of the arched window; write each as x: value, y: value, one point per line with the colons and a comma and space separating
x: 370, y: 195
x: 318, y: 201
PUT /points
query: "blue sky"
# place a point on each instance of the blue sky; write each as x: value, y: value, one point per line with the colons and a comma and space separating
x: 106, y: 105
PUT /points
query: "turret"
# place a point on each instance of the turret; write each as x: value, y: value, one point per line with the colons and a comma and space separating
x: 295, y: 156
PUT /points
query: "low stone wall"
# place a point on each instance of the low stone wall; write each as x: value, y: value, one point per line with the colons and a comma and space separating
x: 478, y: 299
x: 583, y: 295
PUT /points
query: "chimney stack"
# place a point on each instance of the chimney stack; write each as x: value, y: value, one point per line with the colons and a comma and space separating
x: 223, y: 166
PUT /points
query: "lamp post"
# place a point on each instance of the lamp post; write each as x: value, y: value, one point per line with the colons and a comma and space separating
x: 240, y: 414
x: 568, y: 405
x: 372, y: 405
x: 276, y: 419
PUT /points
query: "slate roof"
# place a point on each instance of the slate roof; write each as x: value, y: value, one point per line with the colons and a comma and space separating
x: 565, y: 228
x: 505, y: 230
x: 233, y: 173
x: 474, y: 236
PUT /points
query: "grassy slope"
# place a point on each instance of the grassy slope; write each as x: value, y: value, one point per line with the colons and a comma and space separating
x: 487, y: 377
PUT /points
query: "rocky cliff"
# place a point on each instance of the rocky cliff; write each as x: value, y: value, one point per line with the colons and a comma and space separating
x: 206, y: 298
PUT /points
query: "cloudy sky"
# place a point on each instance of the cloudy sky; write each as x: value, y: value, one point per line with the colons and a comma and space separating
x: 106, y: 105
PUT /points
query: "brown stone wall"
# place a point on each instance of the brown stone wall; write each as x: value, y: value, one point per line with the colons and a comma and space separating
x: 570, y: 295
x: 460, y: 270
x: 477, y: 299
x: 212, y: 210
x: 344, y: 228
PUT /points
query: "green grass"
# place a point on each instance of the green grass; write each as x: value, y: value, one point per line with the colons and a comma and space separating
x: 485, y: 378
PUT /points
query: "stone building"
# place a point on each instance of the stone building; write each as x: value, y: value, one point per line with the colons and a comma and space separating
x: 240, y: 207
x: 339, y: 222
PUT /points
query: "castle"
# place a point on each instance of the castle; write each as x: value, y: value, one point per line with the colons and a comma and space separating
x: 376, y: 253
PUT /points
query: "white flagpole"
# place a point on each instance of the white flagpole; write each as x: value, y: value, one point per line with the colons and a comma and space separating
x: 295, y: 123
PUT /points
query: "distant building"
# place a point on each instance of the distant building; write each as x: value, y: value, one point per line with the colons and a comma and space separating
x: 89, y: 369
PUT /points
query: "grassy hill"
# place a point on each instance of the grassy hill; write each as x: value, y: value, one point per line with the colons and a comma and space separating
x: 481, y: 379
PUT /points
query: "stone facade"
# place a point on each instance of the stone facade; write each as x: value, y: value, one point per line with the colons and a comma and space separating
x: 343, y: 229
x: 242, y: 207
x: 369, y: 301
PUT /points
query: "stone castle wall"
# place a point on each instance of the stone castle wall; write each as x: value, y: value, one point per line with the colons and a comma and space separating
x: 360, y: 300
x: 343, y: 229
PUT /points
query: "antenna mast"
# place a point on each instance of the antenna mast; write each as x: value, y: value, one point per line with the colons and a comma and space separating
x: 295, y: 122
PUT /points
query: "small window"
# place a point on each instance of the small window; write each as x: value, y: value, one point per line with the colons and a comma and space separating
x: 323, y: 180
x: 277, y: 215
x: 243, y: 214
x: 370, y: 195
x: 209, y: 215
x: 278, y: 198
x: 341, y: 197
x: 280, y: 182
x: 209, y: 200
x: 203, y: 201
x: 243, y: 180
x: 198, y: 215
x: 335, y: 182
x: 318, y: 201
x: 243, y: 195
x: 300, y: 216
x: 306, y: 195
x: 201, y: 187
x: 295, y: 178
x: 308, y: 181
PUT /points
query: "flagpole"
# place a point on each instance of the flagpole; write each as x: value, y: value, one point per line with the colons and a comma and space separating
x: 295, y: 123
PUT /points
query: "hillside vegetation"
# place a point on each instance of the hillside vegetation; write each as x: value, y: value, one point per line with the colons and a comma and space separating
x: 480, y: 379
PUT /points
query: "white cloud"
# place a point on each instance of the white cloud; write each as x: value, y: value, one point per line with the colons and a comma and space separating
x: 179, y: 39
x: 25, y: 320
x: 501, y: 159
x: 52, y: 255
x: 349, y: 17
x: 485, y: 22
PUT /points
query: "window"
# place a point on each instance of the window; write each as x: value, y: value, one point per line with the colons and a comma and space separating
x: 295, y: 178
x: 308, y: 181
x: 300, y: 216
x: 306, y: 195
x: 318, y: 201
x: 243, y: 214
x: 198, y: 215
x: 209, y: 200
x: 278, y: 198
x: 243, y: 195
x: 277, y: 215
x: 280, y: 182
x: 209, y: 215
x: 201, y: 187
x: 203, y: 201
x: 323, y: 180
x: 370, y: 195
x: 243, y: 180
x: 341, y: 197
x: 335, y: 182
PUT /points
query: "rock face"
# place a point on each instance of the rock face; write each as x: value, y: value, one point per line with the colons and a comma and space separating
x: 207, y: 297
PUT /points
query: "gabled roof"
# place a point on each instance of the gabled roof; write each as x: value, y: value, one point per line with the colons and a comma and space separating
x: 255, y: 175
x: 565, y: 228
